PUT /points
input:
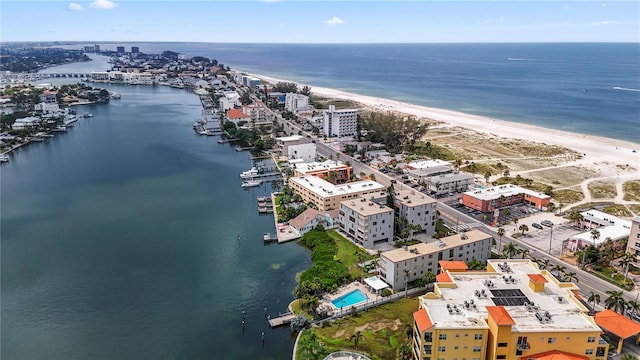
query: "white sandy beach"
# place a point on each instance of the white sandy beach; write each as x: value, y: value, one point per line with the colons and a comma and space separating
x: 596, y: 150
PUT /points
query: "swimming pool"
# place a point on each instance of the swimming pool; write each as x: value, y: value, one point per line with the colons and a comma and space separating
x: 354, y: 297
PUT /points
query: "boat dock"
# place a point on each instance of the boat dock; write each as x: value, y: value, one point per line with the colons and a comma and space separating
x: 282, y: 319
x: 268, y: 238
x: 265, y: 206
x: 224, y: 141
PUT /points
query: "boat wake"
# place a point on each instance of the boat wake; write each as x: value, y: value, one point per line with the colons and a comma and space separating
x: 625, y: 89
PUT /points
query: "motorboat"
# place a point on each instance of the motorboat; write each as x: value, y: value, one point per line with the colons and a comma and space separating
x: 249, y: 173
x: 251, y: 183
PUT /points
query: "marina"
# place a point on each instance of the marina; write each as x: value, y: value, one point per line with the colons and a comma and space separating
x: 250, y: 183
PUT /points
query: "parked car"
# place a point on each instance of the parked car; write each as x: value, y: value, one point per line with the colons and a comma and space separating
x: 536, y: 225
x: 546, y: 223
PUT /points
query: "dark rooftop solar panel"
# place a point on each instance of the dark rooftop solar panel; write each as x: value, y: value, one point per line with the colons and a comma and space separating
x: 506, y: 292
x: 509, y: 301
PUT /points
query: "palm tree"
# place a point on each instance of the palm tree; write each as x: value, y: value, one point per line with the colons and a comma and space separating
x: 543, y: 263
x: 524, y: 252
x: 595, y: 235
x: 515, y: 222
x: 510, y: 250
x: 576, y: 217
x: 594, y: 299
x: 615, y: 300
x: 523, y: 228
x: 429, y: 277
x: 500, y: 235
x: 505, y: 213
x: 632, y: 305
x: 570, y: 276
x: 356, y: 338
x: 627, y: 259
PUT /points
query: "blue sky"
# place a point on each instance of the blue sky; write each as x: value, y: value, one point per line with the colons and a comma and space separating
x: 272, y: 21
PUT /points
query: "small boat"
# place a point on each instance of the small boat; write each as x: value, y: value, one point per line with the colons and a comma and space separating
x: 115, y: 96
x: 249, y: 173
x: 59, y: 129
x: 250, y: 183
x: 87, y: 115
x: 4, y: 158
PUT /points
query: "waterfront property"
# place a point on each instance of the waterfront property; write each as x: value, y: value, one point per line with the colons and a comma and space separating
x: 409, y: 263
x: 496, y: 197
x: 332, y: 171
x: 327, y: 196
x: 514, y: 310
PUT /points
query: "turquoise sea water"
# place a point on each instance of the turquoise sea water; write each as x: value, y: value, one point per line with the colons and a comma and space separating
x: 120, y: 241
x: 591, y: 88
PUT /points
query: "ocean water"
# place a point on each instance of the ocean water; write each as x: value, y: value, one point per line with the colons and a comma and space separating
x: 129, y: 237
x: 590, y: 88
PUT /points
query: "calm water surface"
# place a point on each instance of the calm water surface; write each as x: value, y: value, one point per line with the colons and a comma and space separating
x: 120, y: 241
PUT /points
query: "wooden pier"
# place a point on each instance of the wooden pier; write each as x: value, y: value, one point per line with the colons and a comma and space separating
x: 283, y: 319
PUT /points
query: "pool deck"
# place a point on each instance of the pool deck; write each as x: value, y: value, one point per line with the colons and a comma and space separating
x: 326, y: 303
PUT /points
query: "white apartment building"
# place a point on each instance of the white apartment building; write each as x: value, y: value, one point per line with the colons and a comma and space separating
x: 450, y: 183
x: 295, y: 102
x: 424, y: 257
x: 338, y: 123
x: 633, y: 245
x: 608, y: 226
x: 365, y: 222
x: 22, y: 123
x: 417, y: 208
x: 305, y: 152
x: 284, y: 142
x: 421, y: 171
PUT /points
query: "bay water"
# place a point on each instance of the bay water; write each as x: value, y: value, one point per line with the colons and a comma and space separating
x: 129, y: 237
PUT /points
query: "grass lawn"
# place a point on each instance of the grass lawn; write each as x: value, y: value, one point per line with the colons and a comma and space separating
x: 631, y: 190
x: 383, y: 330
x: 567, y: 196
x: 347, y: 253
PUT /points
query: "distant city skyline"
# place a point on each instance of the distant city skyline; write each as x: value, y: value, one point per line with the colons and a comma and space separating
x: 274, y: 21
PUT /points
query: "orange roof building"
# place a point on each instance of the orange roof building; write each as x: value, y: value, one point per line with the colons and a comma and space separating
x: 512, y: 311
x: 237, y: 114
x: 618, y: 325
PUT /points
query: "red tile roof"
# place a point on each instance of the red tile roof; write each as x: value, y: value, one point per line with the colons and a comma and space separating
x: 554, y: 355
x: 453, y: 265
x: 538, y: 278
x: 617, y: 324
x: 500, y: 315
x: 422, y: 319
x: 236, y: 114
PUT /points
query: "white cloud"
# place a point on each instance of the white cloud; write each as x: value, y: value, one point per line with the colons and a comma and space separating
x: 75, y: 7
x: 334, y: 21
x: 103, y: 4
x: 603, y: 23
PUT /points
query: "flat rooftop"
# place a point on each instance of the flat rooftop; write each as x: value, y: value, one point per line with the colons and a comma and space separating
x: 413, y: 198
x: 610, y: 227
x: 445, y: 243
x: 324, y: 188
x: 315, y: 166
x: 507, y: 190
x: 366, y: 207
x: 509, y: 287
x: 445, y: 178
x: 290, y: 138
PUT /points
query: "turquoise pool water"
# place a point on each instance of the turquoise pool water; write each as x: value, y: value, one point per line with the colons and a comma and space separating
x: 352, y: 298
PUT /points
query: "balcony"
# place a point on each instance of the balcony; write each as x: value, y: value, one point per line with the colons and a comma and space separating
x: 523, y: 346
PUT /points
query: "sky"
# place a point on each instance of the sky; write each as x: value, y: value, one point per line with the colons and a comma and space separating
x: 282, y: 21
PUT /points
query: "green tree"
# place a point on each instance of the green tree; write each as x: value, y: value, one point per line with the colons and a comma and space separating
x: 595, y: 235
x: 524, y: 228
x: 593, y: 299
x: 615, y: 301
x: 429, y: 277
x: 570, y: 277
x: 628, y: 356
x: 510, y: 250
x: 500, y: 235
x: 406, y: 281
x: 627, y: 259
x: 356, y: 338
x: 405, y: 352
x: 391, y: 201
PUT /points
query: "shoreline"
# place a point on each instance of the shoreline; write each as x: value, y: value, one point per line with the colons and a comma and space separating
x: 594, y: 148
